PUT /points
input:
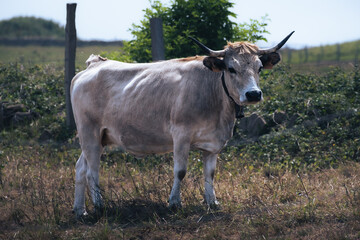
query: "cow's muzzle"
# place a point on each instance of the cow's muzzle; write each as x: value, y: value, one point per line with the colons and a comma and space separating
x: 254, y: 96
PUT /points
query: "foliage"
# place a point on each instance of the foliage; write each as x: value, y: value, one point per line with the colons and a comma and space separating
x: 327, y: 120
x: 41, y: 90
x: 208, y: 21
x: 253, y: 31
x: 30, y: 27
x: 37, y: 87
x: 141, y: 45
x: 311, y: 95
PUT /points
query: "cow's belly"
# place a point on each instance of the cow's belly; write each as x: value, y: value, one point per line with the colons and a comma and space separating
x: 143, y: 150
x: 140, y: 141
x: 141, y: 145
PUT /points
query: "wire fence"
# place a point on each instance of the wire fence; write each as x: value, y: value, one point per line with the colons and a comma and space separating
x: 346, y: 52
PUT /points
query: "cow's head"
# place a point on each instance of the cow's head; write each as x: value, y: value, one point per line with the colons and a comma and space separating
x: 241, y: 63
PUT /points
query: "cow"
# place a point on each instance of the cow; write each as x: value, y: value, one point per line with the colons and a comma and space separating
x: 166, y: 106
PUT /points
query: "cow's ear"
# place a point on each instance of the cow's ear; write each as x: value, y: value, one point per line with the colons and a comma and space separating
x: 214, y: 64
x: 270, y: 59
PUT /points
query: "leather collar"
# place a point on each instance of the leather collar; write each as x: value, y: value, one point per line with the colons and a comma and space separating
x: 239, y: 110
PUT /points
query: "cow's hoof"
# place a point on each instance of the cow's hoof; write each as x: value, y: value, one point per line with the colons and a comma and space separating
x: 175, y: 206
x: 80, y: 214
x: 215, y: 205
x: 99, y: 211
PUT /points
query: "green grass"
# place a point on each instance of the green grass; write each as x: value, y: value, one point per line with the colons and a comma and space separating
x: 49, y: 55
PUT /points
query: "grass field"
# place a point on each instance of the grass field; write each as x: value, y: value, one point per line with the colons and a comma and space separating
x: 299, y: 182
x: 49, y: 55
x: 38, y: 184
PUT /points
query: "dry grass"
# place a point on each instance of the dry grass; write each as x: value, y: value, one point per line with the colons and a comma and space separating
x: 49, y: 54
x: 36, y: 196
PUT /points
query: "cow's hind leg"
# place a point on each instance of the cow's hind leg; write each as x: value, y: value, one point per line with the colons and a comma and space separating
x: 209, y: 172
x: 87, y: 171
x: 80, y: 185
x: 181, y: 153
x: 93, y: 154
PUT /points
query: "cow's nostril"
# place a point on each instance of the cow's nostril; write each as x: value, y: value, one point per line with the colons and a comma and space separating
x: 253, y: 96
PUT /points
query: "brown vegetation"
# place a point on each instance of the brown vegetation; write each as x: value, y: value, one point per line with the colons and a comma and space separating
x: 37, y: 188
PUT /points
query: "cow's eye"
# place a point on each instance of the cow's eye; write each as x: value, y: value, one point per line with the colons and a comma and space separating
x: 260, y: 69
x: 232, y: 70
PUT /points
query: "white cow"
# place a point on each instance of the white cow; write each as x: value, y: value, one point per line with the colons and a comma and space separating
x: 174, y: 105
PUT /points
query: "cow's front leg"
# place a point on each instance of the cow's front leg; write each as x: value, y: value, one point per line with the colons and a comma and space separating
x: 209, y: 172
x: 181, y: 153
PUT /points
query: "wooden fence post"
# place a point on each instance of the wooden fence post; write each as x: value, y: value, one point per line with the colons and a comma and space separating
x: 322, y: 54
x: 289, y: 53
x: 157, y: 39
x: 1, y: 116
x: 306, y: 52
x: 70, y: 50
x: 338, y: 52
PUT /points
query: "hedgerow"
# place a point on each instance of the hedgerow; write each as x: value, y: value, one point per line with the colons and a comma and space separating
x: 326, y: 129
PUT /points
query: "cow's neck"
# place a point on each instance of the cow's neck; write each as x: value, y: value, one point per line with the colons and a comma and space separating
x: 239, y: 110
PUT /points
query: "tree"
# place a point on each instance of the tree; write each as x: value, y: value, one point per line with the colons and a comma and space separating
x: 207, y: 20
x: 139, y: 49
x: 252, y: 31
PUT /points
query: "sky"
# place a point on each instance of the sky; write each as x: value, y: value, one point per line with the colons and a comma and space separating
x: 315, y: 22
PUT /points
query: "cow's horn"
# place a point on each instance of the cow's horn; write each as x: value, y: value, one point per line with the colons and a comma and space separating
x: 277, y: 47
x: 207, y: 50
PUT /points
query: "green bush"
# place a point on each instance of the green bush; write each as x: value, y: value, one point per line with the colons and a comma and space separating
x: 41, y: 90
x: 309, y: 94
x: 328, y: 124
x: 208, y: 21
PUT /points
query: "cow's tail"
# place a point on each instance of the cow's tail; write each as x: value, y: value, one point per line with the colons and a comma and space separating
x: 94, y: 58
